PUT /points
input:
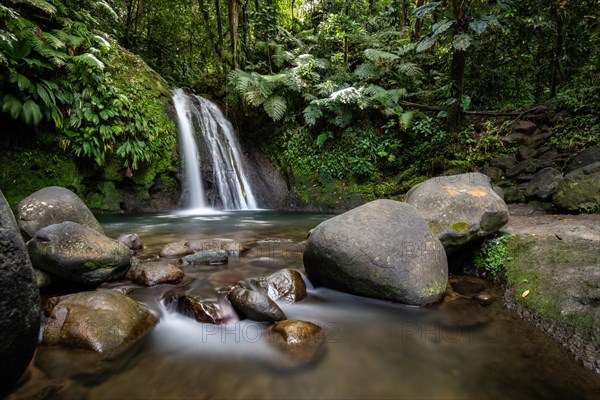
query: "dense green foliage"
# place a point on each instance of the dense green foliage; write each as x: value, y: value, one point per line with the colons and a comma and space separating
x: 57, y: 78
x: 367, y: 96
x: 493, y: 255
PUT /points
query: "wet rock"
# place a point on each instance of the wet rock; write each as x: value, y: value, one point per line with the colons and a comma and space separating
x: 485, y: 299
x: 20, y: 303
x: 79, y: 254
x: 383, y: 249
x: 286, y: 285
x: 154, y: 273
x: 202, y: 309
x: 300, y: 342
x: 43, y: 278
x: 463, y: 313
x: 582, y: 159
x: 544, y: 184
x: 132, y: 241
x: 580, y: 189
x: 255, y: 306
x: 206, y: 257
x: 233, y: 247
x: 513, y: 195
x: 175, y: 250
x: 97, y: 321
x: 53, y: 205
x: 459, y: 208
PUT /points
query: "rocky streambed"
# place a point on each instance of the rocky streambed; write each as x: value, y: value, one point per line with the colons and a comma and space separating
x: 224, y: 305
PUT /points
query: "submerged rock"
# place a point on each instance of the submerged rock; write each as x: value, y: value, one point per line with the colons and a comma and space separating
x: 286, y: 285
x: 79, y: 254
x: 201, y: 308
x: 255, y: 306
x: 20, y: 302
x: 299, y: 342
x: 206, y: 257
x: 460, y: 208
x: 174, y: 250
x: 97, y: 321
x: 53, y: 205
x: 233, y: 247
x: 383, y: 249
x: 132, y: 241
x: 154, y: 273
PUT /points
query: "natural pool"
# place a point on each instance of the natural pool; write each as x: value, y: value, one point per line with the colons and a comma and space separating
x: 373, y: 349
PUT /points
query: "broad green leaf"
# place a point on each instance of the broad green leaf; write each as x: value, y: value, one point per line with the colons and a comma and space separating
x: 481, y: 24
x: 441, y: 27
x: 31, y: 113
x: 461, y: 42
x: 426, y: 43
x: 380, y: 55
x: 12, y: 105
x: 322, y: 138
x: 425, y: 9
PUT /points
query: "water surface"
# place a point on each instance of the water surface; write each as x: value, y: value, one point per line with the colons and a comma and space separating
x: 373, y: 349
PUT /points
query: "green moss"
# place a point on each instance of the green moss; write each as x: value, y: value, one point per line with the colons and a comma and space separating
x: 107, y: 198
x: 460, y: 226
x: 28, y: 170
x: 435, y: 227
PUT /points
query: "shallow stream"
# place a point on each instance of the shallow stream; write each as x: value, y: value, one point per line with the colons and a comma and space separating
x: 373, y: 349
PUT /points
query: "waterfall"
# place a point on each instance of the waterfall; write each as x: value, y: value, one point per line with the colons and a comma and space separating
x: 200, y: 118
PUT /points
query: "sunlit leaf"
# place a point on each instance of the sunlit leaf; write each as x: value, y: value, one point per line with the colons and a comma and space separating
x: 426, y: 43
x: 425, y: 9
x: 461, y: 42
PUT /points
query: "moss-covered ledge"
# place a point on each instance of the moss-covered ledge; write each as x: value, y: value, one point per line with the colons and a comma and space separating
x: 554, y: 282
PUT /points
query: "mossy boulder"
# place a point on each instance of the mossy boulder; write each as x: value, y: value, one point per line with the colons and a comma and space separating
x: 459, y: 208
x: 580, y: 190
x: 383, y: 249
x: 79, y: 254
x: 555, y: 283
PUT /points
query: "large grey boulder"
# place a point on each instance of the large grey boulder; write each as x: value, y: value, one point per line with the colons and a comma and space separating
x: 99, y: 320
x: 383, y: 249
x: 79, y: 254
x: 544, y: 184
x: 19, y: 302
x: 580, y: 190
x: 53, y: 205
x: 459, y: 208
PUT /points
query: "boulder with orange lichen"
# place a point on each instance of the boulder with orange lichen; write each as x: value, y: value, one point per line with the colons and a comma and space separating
x: 459, y: 208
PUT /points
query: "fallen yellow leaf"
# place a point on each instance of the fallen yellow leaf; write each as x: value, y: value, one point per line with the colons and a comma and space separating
x: 525, y: 293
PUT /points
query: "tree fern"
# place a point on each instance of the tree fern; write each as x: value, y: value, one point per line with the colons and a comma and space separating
x: 367, y: 71
x: 311, y: 114
x: 410, y: 69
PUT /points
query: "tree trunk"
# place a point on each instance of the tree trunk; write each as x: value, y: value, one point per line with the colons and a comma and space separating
x: 418, y: 23
x: 457, y: 69
x: 404, y: 16
x: 221, y: 44
x: 233, y: 31
x: 211, y: 36
x: 557, y: 68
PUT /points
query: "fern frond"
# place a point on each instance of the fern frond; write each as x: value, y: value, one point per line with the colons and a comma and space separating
x: 311, y: 114
x: 375, y: 55
x: 343, y: 119
x: 90, y: 60
x: 410, y: 69
x: 54, y: 42
x: 275, y: 106
x: 105, y: 6
x: 39, y: 4
x: 366, y: 70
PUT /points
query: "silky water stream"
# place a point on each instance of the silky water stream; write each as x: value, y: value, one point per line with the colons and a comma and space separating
x: 373, y: 349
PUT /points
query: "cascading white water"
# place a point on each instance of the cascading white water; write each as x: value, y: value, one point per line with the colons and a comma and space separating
x: 222, y: 147
x: 189, y: 150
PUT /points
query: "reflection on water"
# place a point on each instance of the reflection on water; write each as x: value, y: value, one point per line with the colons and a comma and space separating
x: 373, y: 349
